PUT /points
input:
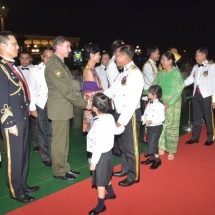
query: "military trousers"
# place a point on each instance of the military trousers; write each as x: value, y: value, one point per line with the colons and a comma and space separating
x: 17, y: 151
x: 202, y: 109
x: 34, y: 131
x: 129, y: 146
x: 44, y: 133
x: 60, y: 147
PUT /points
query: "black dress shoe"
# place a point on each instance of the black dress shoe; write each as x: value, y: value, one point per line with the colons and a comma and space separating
x: 148, y: 161
x: 110, y: 197
x: 31, y: 189
x: 192, y: 141
x: 73, y: 173
x: 92, y: 212
x: 66, y: 177
x: 36, y: 148
x: 120, y: 174
x: 47, y: 163
x: 156, y: 164
x: 24, y: 198
x: 127, y: 182
x: 209, y: 143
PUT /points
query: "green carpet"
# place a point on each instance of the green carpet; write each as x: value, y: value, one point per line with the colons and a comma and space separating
x: 41, y: 175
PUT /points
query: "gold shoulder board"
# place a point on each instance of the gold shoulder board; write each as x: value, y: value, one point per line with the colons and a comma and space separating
x: 133, y: 67
x: 3, y: 61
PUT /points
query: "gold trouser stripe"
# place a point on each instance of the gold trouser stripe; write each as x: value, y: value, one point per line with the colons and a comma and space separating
x: 9, y: 163
x: 136, y: 151
x: 213, y: 123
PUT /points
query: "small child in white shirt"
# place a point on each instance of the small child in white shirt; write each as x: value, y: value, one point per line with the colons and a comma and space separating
x: 100, y: 140
x: 154, y: 116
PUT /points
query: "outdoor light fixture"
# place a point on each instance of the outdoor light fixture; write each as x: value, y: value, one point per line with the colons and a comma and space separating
x: 137, y: 50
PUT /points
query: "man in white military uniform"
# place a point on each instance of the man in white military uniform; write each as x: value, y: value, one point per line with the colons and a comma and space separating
x: 149, y: 68
x: 203, y: 77
x: 38, y: 106
x: 102, y: 70
x: 112, y: 74
x: 126, y: 93
x: 149, y: 73
x: 112, y: 70
x: 25, y: 60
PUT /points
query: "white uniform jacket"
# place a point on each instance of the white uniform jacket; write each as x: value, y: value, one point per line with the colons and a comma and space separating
x: 38, y: 87
x: 112, y: 71
x: 26, y: 71
x: 102, y: 73
x: 149, y: 73
x: 126, y: 92
x: 204, y: 77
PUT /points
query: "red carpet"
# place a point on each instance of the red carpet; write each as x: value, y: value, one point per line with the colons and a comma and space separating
x: 185, y: 185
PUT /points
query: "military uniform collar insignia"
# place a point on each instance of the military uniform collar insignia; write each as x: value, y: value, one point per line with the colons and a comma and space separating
x: 4, y: 60
x: 96, y: 118
x: 205, y: 63
x: 126, y: 67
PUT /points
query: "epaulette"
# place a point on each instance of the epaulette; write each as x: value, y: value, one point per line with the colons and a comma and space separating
x: 56, y: 61
x: 133, y: 67
x: 3, y: 61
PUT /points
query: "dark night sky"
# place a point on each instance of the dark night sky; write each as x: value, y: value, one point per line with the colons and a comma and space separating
x: 183, y: 24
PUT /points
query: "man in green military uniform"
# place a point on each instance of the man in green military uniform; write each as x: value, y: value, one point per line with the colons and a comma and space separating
x: 61, y: 98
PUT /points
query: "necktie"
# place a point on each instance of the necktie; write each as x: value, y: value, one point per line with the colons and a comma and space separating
x: 24, y: 68
x: 199, y: 65
x: 198, y: 90
x: 120, y: 69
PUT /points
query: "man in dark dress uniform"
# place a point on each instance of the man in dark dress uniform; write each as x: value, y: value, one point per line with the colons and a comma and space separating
x: 14, y: 113
x: 26, y: 67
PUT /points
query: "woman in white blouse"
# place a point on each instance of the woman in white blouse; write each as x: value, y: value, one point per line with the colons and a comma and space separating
x: 100, y: 140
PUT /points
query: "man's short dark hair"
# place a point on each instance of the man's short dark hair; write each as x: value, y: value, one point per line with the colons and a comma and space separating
x: 203, y: 50
x: 59, y: 40
x: 46, y: 48
x: 115, y: 45
x: 126, y: 49
x: 4, y: 36
x: 151, y: 49
x: 24, y: 52
x: 105, y: 53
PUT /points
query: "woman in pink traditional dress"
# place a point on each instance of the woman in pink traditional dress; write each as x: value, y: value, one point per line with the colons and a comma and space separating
x: 91, y: 84
x: 91, y: 81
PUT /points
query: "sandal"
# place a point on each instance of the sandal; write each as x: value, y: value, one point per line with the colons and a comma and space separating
x: 171, y: 156
x: 161, y: 152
